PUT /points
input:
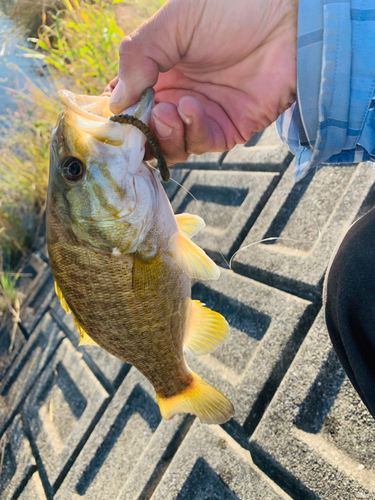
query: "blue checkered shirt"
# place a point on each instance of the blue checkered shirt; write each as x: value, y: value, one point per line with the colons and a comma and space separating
x: 333, y: 119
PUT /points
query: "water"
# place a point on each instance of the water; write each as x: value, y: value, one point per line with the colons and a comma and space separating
x: 14, y: 66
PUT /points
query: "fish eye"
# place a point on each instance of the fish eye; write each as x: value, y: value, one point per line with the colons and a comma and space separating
x: 72, y: 169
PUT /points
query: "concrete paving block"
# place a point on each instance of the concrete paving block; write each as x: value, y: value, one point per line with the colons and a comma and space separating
x: 33, y: 270
x: 37, y: 300
x: 61, y: 409
x: 34, y: 489
x: 309, y: 223
x: 29, y: 363
x: 229, y: 203
x: 16, y: 459
x: 210, y: 465
x: 268, y: 154
x: 9, y: 347
x: 129, y: 437
x: 317, y: 437
x: 267, y: 327
x: 106, y: 367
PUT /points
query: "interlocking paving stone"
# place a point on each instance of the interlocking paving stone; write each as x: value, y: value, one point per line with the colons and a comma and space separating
x: 269, y: 154
x: 17, y: 460
x: 61, y: 408
x: 326, y: 201
x: 34, y: 489
x: 317, y: 437
x: 228, y: 202
x: 37, y: 301
x: 9, y: 347
x: 209, y: 465
x: 28, y: 365
x: 108, y: 369
x: 130, y: 432
x: 267, y: 327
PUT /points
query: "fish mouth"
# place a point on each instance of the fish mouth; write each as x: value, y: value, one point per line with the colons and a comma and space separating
x: 91, y: 115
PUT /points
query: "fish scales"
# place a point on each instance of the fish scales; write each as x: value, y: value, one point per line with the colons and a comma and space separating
x: 122, y: 261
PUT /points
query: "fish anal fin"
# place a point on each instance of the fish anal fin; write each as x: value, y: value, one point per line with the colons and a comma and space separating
x: 194, y: 261
x: 206, y: 329
x: 200, y: 399
x: 85, y: 337
x: 189, y: 225
x: 60, y: 296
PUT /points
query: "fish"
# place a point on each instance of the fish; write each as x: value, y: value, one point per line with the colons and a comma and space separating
x: 123, y: 262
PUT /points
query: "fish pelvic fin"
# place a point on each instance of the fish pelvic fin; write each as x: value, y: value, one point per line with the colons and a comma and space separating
x: 85, y: 337
x: 189, y: 225
x: 194, y: 261
x: 206, y: 329
x: 60, y: 296
x: 200, y: 399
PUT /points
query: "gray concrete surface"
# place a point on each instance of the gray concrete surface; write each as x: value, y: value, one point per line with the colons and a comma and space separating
x: 77, y: 423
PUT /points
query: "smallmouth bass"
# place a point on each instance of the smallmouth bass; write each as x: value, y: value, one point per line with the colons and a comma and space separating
x: 123, y: 262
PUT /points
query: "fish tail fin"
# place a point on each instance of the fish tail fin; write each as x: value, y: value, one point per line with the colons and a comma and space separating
x: 201, y: 399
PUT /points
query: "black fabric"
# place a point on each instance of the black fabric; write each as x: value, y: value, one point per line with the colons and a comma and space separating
x: 349, y: 300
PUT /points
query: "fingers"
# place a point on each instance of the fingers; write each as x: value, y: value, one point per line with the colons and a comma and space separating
x: 185, y: 129
x: 152, y: 48
x: 169, y: 130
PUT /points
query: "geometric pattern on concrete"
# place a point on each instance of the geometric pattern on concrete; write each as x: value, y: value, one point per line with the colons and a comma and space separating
x: 34, y: 489
x: 317, y: 431
x: 77, y: 423
x: 228, y: 202
x: 61, y: 408
x: 267, y: 327
x: 309, y: 217
x: 267, y: 154
x: 122, y: 438
x: 211, y: 465
x: 16, y: 459
x: 28, y: 365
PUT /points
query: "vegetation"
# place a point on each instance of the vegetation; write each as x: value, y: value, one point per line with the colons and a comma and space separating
x: 77, y: 42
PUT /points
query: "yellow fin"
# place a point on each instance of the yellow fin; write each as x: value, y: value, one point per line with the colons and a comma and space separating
x: 194, y: 261
x: 189, y: 225
x: 63, y: 302
x: 206, y: 329
x: 200, y: 399
x: 85, y: 337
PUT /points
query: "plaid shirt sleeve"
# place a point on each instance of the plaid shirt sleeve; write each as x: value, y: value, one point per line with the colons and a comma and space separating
x: 333, y: 119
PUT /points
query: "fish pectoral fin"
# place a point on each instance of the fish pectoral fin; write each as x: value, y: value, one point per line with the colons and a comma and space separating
x: 63, y: 302
x: 206, y: 329
x: 200, y: 399
x: 189, y: 225
x: 85, y: 337
x: 194, y: 261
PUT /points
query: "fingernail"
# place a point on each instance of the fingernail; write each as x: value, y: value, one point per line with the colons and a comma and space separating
x: 186, y: 119
x: 162, y: 129
x: 118, y: 93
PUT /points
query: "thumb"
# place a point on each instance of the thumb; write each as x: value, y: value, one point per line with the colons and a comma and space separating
x: 151, y: 49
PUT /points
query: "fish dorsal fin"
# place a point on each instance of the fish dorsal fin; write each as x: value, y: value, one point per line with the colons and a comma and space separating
x: 206, y: 329
x: 85, y: 337
x: 189, y: 225
x: 194, y: 261
x: 60, y: 296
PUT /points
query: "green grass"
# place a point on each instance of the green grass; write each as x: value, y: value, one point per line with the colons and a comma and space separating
x: 78, y: 41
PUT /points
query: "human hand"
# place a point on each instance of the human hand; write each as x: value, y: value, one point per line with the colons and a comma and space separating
x: 221, y: 71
